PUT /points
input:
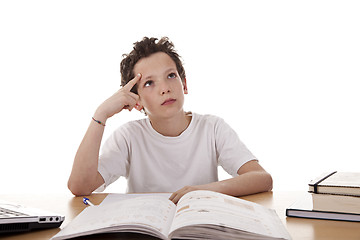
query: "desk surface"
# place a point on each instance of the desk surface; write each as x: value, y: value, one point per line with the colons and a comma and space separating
x: 298, y: 228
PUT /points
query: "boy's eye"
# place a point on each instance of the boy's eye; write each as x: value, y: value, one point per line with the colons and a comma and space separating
x: 172, y: 75
x: 148, y: 83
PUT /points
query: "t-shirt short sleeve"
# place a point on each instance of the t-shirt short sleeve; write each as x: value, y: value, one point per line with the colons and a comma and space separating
x: 231, y: 151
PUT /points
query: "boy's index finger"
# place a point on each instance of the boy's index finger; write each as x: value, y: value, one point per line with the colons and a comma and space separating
x: 133, y: 82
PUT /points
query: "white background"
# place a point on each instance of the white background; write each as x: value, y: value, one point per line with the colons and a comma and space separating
x: 284, y: 74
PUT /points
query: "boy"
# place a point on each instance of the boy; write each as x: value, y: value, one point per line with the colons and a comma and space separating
x: 169, y: 151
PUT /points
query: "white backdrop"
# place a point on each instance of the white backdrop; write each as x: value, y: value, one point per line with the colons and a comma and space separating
x: 284, y: 74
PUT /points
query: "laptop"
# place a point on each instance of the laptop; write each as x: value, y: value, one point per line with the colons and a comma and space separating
x: 17, y: 218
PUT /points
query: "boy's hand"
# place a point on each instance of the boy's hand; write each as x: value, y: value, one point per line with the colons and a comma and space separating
x: 175, y: 197
x: 122, y: 99
x: 214, y: 186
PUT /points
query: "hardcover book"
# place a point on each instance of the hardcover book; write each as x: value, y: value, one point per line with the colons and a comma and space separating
x: 303, y: 208
x: 336, y: 203
x: 339, y: 183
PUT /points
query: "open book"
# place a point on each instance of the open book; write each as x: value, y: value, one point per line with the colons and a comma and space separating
x: 198, y: 215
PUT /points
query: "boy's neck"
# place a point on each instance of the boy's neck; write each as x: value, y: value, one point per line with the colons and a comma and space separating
x: 171, y: 127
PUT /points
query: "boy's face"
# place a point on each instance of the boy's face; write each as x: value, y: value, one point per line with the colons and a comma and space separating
x: 160, y: 88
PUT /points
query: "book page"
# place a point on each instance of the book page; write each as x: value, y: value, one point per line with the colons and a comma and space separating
x: 150, y: 215
x: 211, y: 208
x: 116, y: 197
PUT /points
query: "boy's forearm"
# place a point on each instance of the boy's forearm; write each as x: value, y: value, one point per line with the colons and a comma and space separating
x: 244, y: 184
x: 84, y: 174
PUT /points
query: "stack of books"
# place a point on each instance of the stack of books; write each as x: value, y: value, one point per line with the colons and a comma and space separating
x: 333, y: 196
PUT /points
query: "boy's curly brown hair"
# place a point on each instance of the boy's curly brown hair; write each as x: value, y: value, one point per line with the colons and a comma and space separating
x: 143, y: 49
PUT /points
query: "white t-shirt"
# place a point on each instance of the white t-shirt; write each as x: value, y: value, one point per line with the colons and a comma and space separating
x: 152, y: 162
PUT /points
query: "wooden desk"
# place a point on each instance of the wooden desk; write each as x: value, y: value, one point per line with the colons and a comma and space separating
x: 298, y: 228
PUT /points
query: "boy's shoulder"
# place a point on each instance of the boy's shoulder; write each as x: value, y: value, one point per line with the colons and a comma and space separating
x: 136, y: 123
x: 207, y: 118
x: 132, y: 126
x: 207, y: 121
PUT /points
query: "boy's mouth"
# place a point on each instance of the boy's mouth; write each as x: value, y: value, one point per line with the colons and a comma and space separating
x: 168, y: 101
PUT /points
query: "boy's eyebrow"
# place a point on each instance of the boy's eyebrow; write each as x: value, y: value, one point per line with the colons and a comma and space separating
x: 146, y: 78
x: 171, y: 69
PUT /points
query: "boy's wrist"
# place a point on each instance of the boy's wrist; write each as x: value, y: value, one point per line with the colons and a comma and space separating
x: 98, y: 122
x: 99, y: 116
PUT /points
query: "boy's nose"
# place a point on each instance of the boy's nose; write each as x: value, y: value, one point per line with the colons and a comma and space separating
x: 165, y: 91
x: 164, y: 88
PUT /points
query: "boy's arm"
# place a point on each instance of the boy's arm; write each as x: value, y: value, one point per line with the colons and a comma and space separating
x: 252, y: 179
x: 84, y: 177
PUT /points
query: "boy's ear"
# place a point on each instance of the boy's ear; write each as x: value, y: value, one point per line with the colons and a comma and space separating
x: 138, y: 106
x: 185, y: 86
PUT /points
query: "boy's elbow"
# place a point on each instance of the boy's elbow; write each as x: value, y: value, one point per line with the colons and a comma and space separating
x: 73, y: 188
x: 77, y: 189
x: 268, y: 182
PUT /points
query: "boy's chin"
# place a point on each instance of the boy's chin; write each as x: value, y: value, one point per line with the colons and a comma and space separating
x: 168, y: 113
